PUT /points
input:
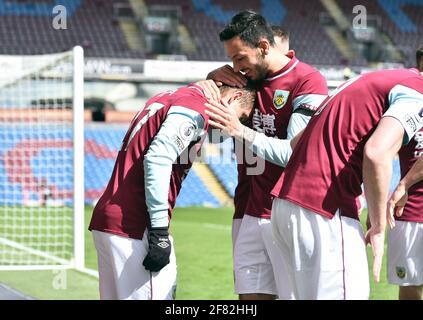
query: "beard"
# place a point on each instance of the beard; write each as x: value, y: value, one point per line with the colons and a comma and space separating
x: 260, y: 69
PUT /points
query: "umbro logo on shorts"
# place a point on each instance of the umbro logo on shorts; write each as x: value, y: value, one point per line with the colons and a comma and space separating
x: 163, y: 244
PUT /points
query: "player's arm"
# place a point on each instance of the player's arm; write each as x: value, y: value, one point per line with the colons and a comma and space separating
x: 398, y: 198
x: 217, y: 77
x: 414, y: 175
x: 180, y: 128
x: 278, y: 151
x: 275, y: 150
x: 394, y: 129
x: 224, y: 118
x: 226, y: 74
x: 379, y: 153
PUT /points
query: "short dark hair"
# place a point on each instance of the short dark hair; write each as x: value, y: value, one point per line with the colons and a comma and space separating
x: 250, y: 27
x: 280, y: 32
x: 419, y: 55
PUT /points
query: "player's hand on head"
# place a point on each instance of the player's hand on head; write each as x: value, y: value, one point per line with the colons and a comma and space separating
x: 159, y: 249
x: 222, y: 116
x: 210, y: 89
x: 226, y: 74
x: 396, y: 204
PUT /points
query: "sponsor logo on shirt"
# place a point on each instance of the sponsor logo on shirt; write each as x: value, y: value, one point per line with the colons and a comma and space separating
x: 178, y: 142
x: 411, y: 122
x: 280, y: 98
x: 401, y: 272
x: 264, y: 123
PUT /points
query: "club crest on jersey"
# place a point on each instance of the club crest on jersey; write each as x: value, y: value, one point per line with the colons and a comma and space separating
x: 401, y: 272
x: 280, y: 98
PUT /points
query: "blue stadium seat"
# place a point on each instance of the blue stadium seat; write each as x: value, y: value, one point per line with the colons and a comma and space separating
x: 194, y: 193
x: 98, y: 170
x: 394, y: 10
x: 224, y: 166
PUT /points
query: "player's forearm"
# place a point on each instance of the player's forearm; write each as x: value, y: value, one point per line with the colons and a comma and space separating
x: 275, y: 150
x: 165, y: 148
x: 271, y: 149
x: 414, y: 175
x: 157, y: 172
x: 377, y: 172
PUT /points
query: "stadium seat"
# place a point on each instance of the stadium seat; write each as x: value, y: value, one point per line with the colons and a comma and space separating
x: 403, y: 28
x: 99, y: 162
x: 90, y: 24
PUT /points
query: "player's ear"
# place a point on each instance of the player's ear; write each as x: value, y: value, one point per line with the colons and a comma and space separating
x: 236, y: 95
x: 264, y: 46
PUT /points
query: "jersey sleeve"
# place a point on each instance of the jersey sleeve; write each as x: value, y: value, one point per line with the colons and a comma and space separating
x: 309, y: 94
x: 274, y: 150
x: 180, y: 128
x: 406, y: 105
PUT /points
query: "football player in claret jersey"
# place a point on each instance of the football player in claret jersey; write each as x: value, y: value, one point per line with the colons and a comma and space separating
x: 399, y: 196
x: 288, y: 93
x: 242, y: 190
x: 352, y: 138
x: 130, y: 223
x: 405, y: 240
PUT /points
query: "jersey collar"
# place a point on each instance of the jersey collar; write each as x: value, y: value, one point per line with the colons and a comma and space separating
x: 285, y: 70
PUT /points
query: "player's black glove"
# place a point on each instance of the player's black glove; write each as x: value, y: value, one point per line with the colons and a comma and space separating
x: 160, y: 247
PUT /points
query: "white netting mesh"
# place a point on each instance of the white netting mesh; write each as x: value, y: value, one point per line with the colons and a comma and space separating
x: 36, y: 160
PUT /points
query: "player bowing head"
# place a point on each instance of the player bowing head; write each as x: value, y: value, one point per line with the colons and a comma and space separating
x: 240, y: 100
x: 130, y: 222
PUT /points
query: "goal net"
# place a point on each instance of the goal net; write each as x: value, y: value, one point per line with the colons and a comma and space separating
x: 41, y: 161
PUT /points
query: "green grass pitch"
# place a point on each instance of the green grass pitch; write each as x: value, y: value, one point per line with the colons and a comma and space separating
x: 204, y: 257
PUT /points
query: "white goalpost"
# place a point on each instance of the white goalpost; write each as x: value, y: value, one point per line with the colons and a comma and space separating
x: 42, y: 162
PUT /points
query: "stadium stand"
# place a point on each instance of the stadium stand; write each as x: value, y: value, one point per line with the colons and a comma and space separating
x: 408, y: 40
x: 400, y: 20
x: 195, y: 193
x: 308, y: 37
x: 101, y: 146
x: 94, y: 25
x: 223, y: 164
x: 205, y: 19
x: 90, y: 24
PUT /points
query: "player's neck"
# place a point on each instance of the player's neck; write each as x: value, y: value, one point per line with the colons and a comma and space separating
x: 277, y: 62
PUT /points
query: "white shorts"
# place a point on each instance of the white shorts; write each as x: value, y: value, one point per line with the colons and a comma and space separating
x: 122, y: 274
x: 256, y: 257
x: 326, y: 258
x: 405, y: 254
x: 236, y: 224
